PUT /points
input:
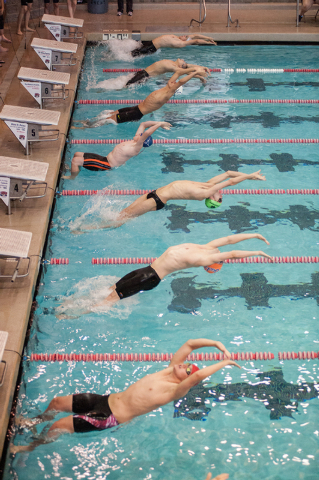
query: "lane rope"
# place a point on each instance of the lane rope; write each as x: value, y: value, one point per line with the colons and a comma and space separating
x: 165, y: 357
x: 196, y: 141
x: 198, y: 101
x: 232, y: 70
x: 148, y: 260
x: 289, y: 191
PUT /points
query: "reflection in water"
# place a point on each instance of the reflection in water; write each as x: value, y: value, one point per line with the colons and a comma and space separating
x: 278, y: 396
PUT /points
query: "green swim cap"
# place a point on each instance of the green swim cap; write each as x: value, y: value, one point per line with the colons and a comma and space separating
x: 212, y: 203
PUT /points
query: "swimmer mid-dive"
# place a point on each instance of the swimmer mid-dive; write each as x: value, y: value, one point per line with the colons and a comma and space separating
x: 210, y: 191
x: 164, y: 66
x: 154, y: 101
x: 179, y: 257
x: 92, y: 412
x: 120, y: 154
x: 171, y: 41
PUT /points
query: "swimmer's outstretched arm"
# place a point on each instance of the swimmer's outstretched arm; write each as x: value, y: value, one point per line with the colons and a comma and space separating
x: 199, y: 376
x: 232, y: 239
x: 221, y: 476
x: 142, y: 134
x: 232, y: 180
x: 202, y: 37
x: 205, y: 259
x: 193, y: 344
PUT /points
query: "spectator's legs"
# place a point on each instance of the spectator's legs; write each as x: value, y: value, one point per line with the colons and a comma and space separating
x: 120, y: 6
x: 129, y: 6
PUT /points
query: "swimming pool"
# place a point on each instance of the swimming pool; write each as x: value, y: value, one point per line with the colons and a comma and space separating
x: 271, y: 432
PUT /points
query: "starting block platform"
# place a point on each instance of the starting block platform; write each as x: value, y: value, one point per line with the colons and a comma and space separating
x: 42, y: 84
x: 26, y: 124
x: 51, y: 52
x: 14, y: 246
x: 18, y: 177
x: 60, y: 26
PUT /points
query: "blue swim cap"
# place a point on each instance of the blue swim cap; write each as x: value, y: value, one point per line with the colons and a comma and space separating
x: 148, y: 142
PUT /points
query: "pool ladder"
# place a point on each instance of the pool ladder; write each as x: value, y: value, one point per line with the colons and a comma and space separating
x: 202, y: 4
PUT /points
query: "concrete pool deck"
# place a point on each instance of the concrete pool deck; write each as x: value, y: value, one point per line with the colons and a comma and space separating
x: 258, y: 23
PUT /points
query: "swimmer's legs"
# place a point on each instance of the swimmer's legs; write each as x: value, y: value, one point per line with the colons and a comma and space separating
x: 58, y: 404
x: 64, y: 425
x: 140, y: 206
x: 306, y: 5
x: 97, y: 121
x: 76, y: 163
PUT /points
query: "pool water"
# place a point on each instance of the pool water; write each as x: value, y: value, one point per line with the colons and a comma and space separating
x: 257, y: 421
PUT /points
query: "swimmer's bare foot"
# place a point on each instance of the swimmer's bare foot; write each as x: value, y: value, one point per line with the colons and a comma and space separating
x: 29, y: 29
x: 14, y: 449
x: 66, y: 177
x: 5, y: 39
x: 2, y: 49
x: 19, y: 32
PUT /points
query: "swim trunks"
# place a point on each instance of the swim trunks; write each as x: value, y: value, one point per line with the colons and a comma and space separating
x: 137, y: 281
x: 95, y: 162
x: 129, y: 114
x: 146, y: 49
x: 158, y: 201
x: 92, y: 412
x: 48, y: 1
x: 138, y: 77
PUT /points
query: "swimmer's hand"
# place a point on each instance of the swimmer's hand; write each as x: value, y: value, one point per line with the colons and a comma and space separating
x: 166, y: 125
x: 266, y: 256
x: 260, y: 237
x: 232, y: 363
x: 222, y: 476
x: 223, y: 349
x: 257, y: 176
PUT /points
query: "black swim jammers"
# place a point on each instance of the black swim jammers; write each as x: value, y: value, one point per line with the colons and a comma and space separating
x: 146, y: 49
x: 137, y: 281
x: 138, y: 77
x: 158, y: 201
x: 95, y: 162
x: 92, y: 412
x: 129, y: 114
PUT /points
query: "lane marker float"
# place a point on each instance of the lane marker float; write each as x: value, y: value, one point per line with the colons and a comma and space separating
x: 148, y: 260
x: 290, y: 191
x: 232, y: 70
x: 197, y: 141
x: 198, y: 101
x: 165, y: 357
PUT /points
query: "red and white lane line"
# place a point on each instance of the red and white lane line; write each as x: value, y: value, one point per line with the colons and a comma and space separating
x: 148, y: 260
x: 197, y: 141
x: 199, y: 101
x: 276, y: 191
x: 230, y: 70
x: 166, y: 357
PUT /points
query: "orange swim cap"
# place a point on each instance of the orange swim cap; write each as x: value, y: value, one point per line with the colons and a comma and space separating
x: 214, y: 267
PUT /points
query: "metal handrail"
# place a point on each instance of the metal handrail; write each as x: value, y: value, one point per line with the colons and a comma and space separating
x: 229, y: 17
x: 200, y: 21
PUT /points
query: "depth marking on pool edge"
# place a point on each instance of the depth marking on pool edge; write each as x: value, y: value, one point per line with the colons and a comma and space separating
x: 165, y: 357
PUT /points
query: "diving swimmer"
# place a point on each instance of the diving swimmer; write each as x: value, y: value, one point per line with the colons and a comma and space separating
x: 179, y: 257
x: 210, y: 191
x: 154, y: 101
x: 120, y: 154
x: 92, y: 412
x: 171, y: 41
x: 164, y: 66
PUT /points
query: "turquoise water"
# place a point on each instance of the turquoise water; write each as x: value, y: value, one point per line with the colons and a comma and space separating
x: 256, y: 426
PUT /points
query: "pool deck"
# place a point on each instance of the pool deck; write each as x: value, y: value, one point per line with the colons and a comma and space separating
x: 258, y: 23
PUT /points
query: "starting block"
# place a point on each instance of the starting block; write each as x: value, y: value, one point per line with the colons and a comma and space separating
x: 14, y: 246
x: 42, y: 84
x: 60, y: 26
x: 116, y: 34
x: 26, y: 124
x: 18, y: 177
x: 51, y: 52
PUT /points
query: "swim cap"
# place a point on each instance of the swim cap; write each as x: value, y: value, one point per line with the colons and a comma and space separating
x: 214, y: 267
x: 212, y: 203
x: 191, y: 368
x: 148, y: 142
